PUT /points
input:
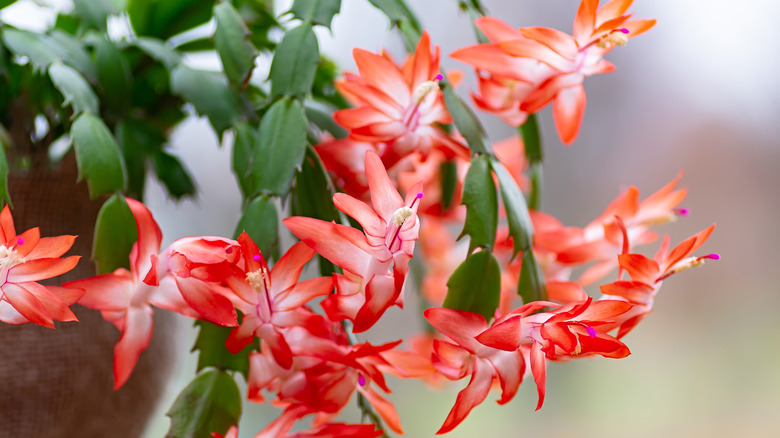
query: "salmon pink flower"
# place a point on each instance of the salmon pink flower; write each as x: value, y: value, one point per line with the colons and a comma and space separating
x: 514, y: 88
x: 126, y: 301
x: 273, y: 299
x: 195, y: 268
x: 647, y: 276
x: 398, y: 107
x: 466, y: 356
x: 572, y: 331
x: 375, y: 262
x: 26, y: 259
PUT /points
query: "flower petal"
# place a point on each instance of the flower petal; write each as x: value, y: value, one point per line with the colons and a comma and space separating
x: 26, y: 303
x: 41, y: 269
x: 568, y: 110
x: 471, y: 396
x: 136, y: 335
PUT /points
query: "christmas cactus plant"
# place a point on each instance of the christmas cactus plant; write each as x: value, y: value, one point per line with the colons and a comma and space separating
x: 384, y: 175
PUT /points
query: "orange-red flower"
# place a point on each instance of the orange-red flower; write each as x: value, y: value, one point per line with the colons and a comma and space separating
x: 530, y: 67
x: 396, y: 107
x: 26, y: 259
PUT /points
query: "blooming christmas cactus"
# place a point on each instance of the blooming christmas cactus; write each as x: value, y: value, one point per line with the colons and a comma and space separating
x: 384, y: 175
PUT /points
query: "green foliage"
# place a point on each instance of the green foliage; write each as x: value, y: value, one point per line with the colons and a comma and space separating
x: 74, y: 88
x: 481, y: 201
x: 531, y: 286
x: 475, y: 286
x: 113, y: 75
x: 317, y: 11
x: 295, y: 63
x: 401, y: 15
x: 281, y: 145
x: 324, y: 121
x: 466, y: 121
x: 139, y: 138
x: 449, y: 177
x: 115, y: 234
x: 243, y: 144
x: 210, y: 345
x: 97, y: 155
x: 210, y: 403
x: 166, y: 18
x: 260, y: 220
x: 4, y: 3
x: 209, y: 94
x: 529, y: 131
x: 159, y: 51
x: 173, y: 175
x: 520, y: 226
x: 94, y: 13
x: 234, y: 48
x: 38, y: 48
x: 312, y: 197
x: 4, y: 195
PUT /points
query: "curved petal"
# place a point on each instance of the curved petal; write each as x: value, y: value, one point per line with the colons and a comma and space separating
x: 41, y: 269
x: 422, y: 68
x: 303, y: 292
x: 505, y: 335
x: 360, y: 211
x: 7, y: 230
x: 380, y: 295
x: 26, y: 242
x: 539, y: 371
x: 458, y: 325
x: 26, y: 303
x: 384, y: 408
x: 206, y: 300
x: 352, y: 118
x: 324, y: 238
x: 560, y: 42
x: 51, y: 247
x: 287, y: 270
x: 527, y: 48
x: 492, y: 59
x: 510, y: 367
x: 496, y: 30
x: 471, y: 396
x: 106, y: 291
x: 379, y: 72
x: 373, y: 97
x: 548, y: 90
x: 136, y: 334
x: 55, y: 300
x: 568, y: 109
x: 384, y: 196
x: 585, y: 21
x: 149, y: 236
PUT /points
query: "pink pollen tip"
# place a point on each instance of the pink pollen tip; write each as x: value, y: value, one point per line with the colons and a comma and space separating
x: 361, y: 380
x: 20, y: 241
x: 713, y: 256
x: 624, y: 30
x: 591, y: 331
x: 419, y: 195
x: 439, y: 77
x: 256, y: 257
x: 229, y: 250
x: 682, y: 211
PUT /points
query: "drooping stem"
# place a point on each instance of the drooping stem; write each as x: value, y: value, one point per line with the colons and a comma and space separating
x: 529, y: 131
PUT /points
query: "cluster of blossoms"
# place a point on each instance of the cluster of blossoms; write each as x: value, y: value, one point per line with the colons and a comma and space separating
x: 311, y: 361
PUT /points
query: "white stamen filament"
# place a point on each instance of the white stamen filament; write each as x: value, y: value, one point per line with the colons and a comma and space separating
x: 9, y: 257
x: 402, y: 215
x: 423, y: 91
x: 616, y: 38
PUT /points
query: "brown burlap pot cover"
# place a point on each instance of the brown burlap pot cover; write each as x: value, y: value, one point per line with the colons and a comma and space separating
x: 59, y: 383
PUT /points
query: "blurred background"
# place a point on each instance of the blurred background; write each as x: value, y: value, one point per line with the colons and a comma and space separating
x: 698, y: 93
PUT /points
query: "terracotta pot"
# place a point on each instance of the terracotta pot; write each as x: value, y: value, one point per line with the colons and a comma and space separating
x: 59, y: 383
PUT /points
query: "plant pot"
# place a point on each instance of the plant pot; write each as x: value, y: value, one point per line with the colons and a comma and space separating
x: 59, y: 383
